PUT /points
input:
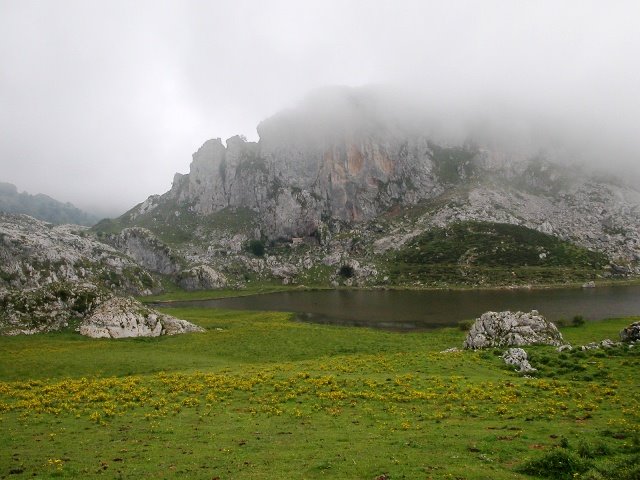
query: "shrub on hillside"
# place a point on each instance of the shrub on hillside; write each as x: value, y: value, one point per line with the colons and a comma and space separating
x: 559, y: 463
x: 256, y: 247
x: 346, y: 271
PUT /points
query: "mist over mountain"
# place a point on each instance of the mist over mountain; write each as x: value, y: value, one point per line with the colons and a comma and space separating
x: 106, y: 111
x: 515, y: 126
x: 42, y: 207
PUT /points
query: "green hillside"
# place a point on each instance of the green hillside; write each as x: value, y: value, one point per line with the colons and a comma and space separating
x: 480, y: 252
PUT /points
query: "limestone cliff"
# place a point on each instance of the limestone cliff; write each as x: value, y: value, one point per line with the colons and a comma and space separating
x: 339, y: 173
x: 307, y: 170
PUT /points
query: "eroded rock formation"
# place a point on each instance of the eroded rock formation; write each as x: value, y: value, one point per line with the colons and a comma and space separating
x: 121, y: 317
x: 503, y: 329
x: 337, y: 163
x: 517, y: 357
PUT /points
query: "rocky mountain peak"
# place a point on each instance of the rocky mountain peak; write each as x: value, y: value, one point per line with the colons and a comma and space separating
x: 359, y: 173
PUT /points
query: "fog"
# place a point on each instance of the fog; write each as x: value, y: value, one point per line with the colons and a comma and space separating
x: 101, y: 102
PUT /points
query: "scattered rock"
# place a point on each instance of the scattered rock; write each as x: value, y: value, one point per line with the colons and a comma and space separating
x: 518, y: 358
x: 590, y: 284
x: 451, y: 350
x: 500, y: 329
x: 125, y: 317
x: 564, y: 348
x: 286, y: 272
x: 606, y: 343
x: 620, y: 270
x: 630, y: 333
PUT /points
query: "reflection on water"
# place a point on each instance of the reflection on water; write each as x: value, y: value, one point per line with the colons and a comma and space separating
x: 410, y: 310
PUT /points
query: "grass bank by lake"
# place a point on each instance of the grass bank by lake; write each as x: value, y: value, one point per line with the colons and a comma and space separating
x: 261, y: 396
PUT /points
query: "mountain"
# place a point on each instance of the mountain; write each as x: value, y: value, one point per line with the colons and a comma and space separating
x: 340, y: 188
x: 346, y: 189
x: 42, y: 207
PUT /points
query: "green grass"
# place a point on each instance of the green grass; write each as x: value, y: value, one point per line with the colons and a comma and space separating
x: 261, y: 396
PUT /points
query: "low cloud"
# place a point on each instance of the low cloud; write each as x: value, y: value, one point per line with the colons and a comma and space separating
x: 101, y: 102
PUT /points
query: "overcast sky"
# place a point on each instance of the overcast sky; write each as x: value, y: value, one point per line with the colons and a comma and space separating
x: 102, y: 101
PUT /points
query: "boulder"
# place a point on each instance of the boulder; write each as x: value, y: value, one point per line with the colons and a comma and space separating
x: 502, y: 329
x: 630, y: 333
x: 125, y: 317
x: 518, y: 358
x: 285, y: 271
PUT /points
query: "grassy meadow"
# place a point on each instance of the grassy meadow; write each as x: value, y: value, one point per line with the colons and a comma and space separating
x: 260, y: 396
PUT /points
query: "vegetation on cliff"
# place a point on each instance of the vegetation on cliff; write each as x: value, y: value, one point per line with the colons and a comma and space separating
x: 492, y: 253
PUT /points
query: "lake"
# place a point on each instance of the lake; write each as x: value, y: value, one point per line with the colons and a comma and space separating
x: 406, y: 310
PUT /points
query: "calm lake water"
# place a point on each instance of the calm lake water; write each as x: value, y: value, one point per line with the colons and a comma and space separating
x: 416, y: 310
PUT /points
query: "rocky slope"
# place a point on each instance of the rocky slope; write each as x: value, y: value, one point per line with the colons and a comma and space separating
x: 51, y: 276
x: 35, y: 254
x: 42, y: 207
x: 332, y: 191
x: 47, y: 308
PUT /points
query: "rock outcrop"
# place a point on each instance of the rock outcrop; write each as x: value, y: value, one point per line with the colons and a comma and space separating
x: 48, y: 308
x: 502, y: 329
x: 125, y: 317
x: 201, y: 277
x: 309, y: 168
x: 149, y: 252
x: 34, y: 254
x: 518, y: 358
x: 631, y: 333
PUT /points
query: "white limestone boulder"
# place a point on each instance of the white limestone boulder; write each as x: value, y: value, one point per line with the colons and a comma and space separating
x: 517, y: 357
x: 509, y: 329
x: 125, y: 317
